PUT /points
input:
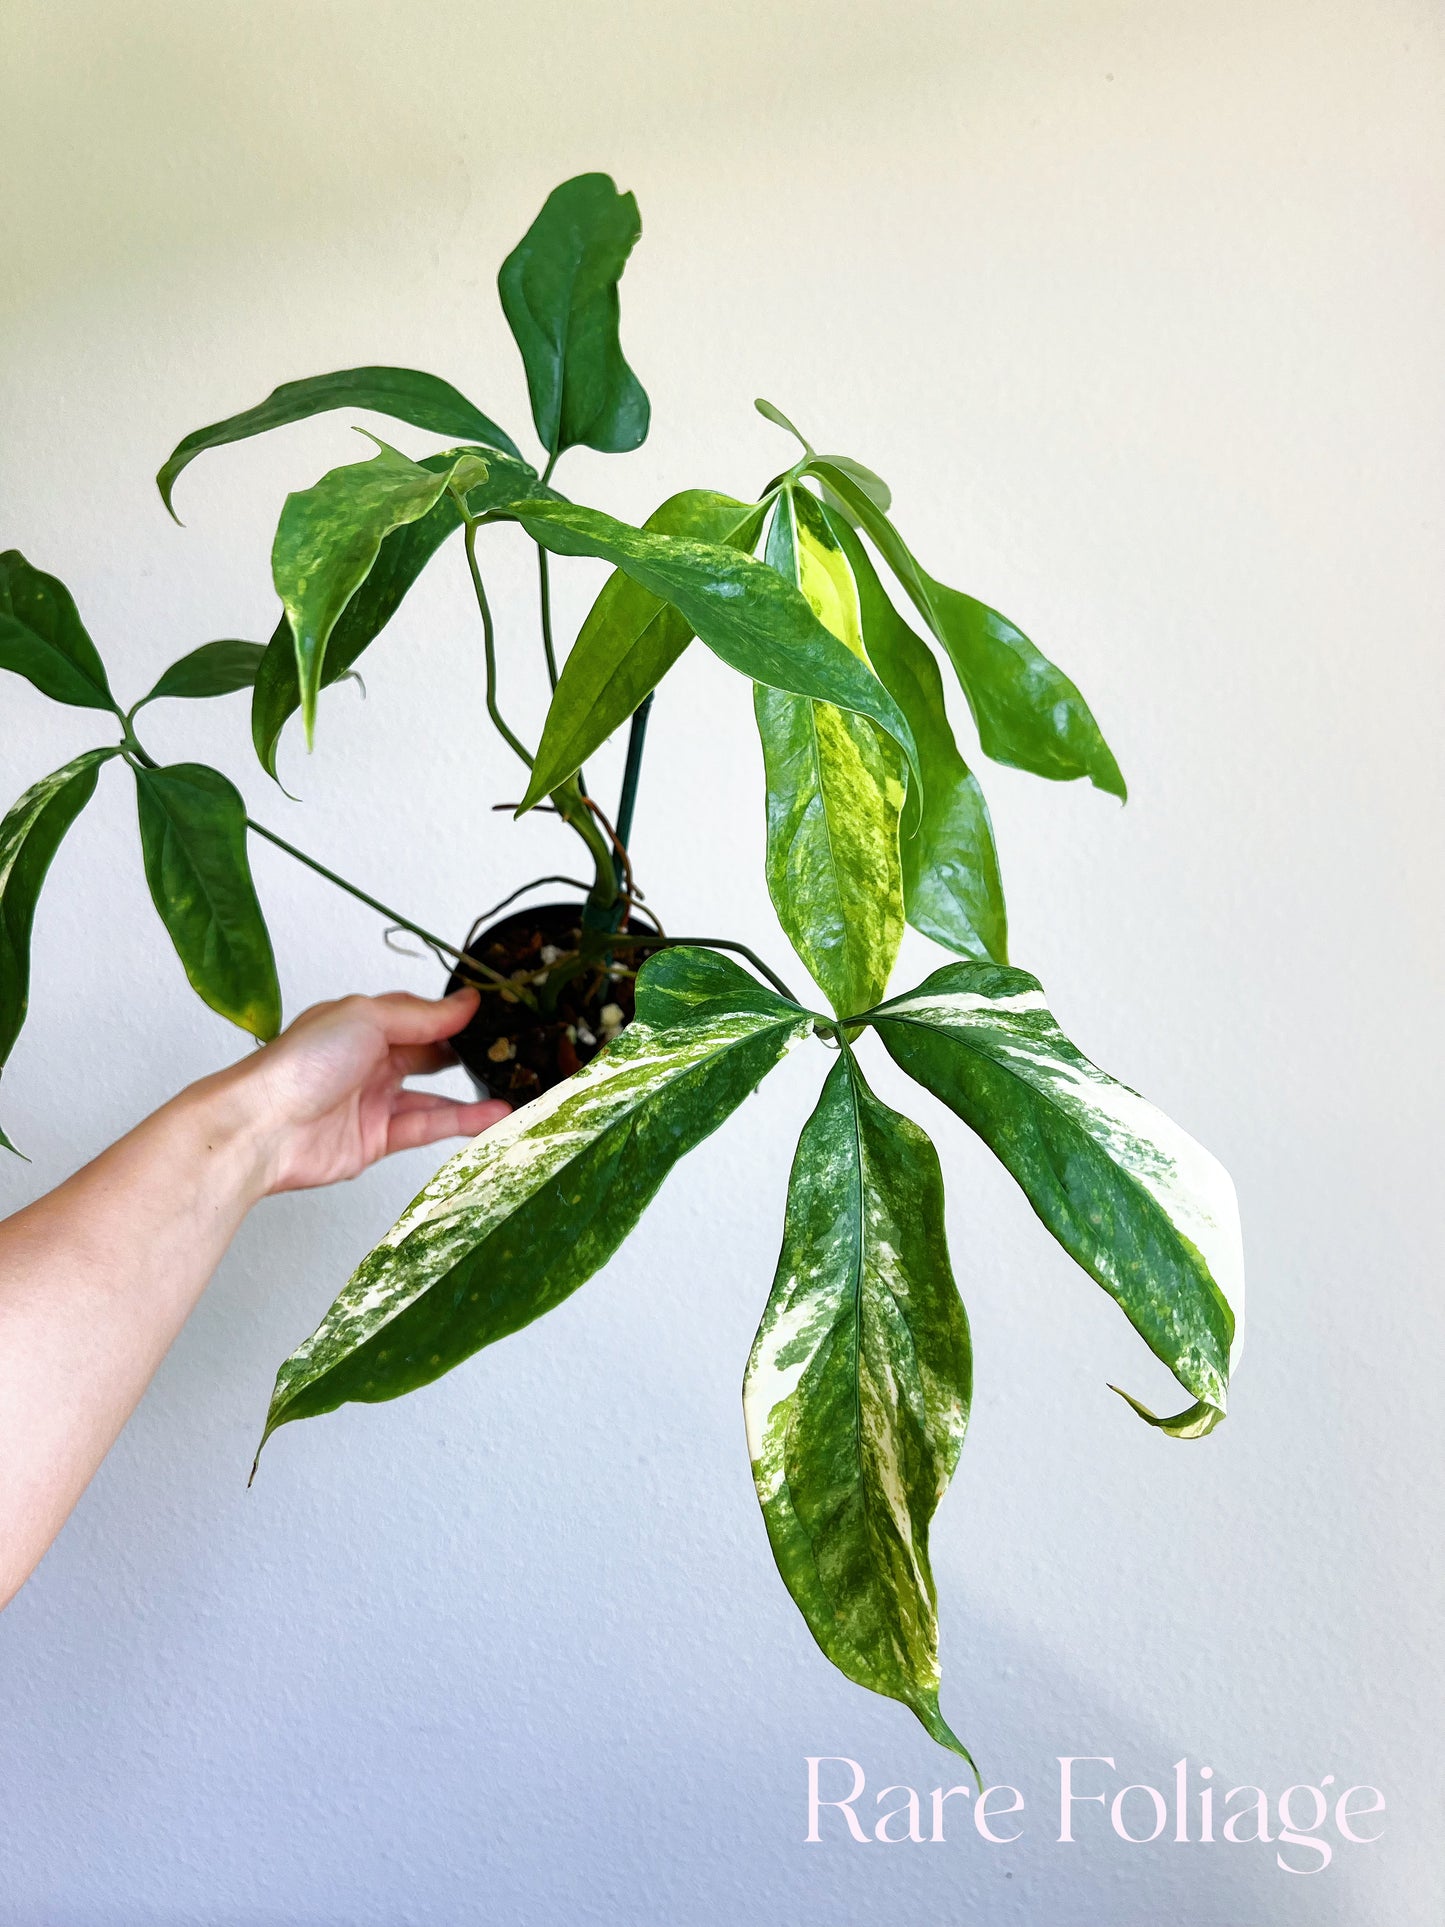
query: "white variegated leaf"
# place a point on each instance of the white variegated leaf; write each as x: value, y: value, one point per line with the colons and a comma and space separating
x: 1148, y: 1212
x: 521, y: 1217
x: 857, y: 1392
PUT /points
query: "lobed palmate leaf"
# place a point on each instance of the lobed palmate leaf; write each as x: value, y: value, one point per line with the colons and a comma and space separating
x: 516, y: 1221
x: 1146, y: 1211
x: 857, y: 1392
x: 835, y: 790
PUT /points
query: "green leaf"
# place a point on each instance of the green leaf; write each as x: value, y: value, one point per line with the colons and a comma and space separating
x: 193, y: 839
x: 215, y: 669
x: 629, y: 641
x: 559, y: 293
x: 743, y: 610
x: 29, y: 837
x: 1027, y: 712
x: 43, y: 638
x: 770, y: 412
x: 951, y: 884
x: 835, y: 791
x: 329, y: 538
x: 400, y: 560
x: 857, y: 1392
x: 513, y: 1224
x: 1147, y: 1212
x: 405, y: 393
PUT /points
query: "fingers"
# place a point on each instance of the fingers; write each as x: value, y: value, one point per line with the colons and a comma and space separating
x: 420, y: 1020
x: 430, y: 1122
x: 418, y: 1060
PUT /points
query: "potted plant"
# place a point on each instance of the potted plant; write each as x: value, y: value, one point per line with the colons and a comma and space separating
x: 623, y: 1044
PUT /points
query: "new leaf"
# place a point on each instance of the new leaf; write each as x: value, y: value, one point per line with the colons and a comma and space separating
x: 559, y: 293
x: 193, y: 839
x: 952, y: 890
x: 518, y: 1220
x: 835, y: 791
x: 1147, y: 1212
x: 857, y: 1392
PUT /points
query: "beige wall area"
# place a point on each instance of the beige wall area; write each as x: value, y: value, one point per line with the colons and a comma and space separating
x: 1138, y: 308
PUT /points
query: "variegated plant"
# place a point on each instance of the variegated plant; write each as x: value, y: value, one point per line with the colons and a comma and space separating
x: 857, y: 1391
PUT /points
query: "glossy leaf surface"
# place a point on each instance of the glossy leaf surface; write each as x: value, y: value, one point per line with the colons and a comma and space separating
x: 215, y: 669
x: 835, y: 791
x: 330, y: 536
x: 559, y: 294
x: 1145, y: 1210
x: 952, y: 890
x: 43, y: 638
x: 399, y: 561
x: 1027, y: 711
x: 30, y: 835
x: 514, y: 1223
x: 628, y: 642
x: 857, y: 1392
x: 193, y: 839
x: 406, y: 394
x: 744, y: 611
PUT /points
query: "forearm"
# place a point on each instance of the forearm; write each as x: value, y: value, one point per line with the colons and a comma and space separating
x: 96, y: 1279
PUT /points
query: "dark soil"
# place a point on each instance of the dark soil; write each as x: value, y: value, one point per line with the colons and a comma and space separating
x: 583, y: 988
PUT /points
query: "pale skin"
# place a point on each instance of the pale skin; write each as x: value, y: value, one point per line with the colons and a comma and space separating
x: 98, y: 1276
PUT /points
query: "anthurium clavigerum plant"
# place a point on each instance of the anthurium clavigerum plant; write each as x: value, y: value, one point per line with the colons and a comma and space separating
x: 857, y: 1391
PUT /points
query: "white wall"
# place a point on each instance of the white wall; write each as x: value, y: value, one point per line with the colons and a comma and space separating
x: 1138, y: 306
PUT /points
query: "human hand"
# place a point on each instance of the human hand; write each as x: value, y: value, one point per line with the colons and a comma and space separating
x: 326, y: 1097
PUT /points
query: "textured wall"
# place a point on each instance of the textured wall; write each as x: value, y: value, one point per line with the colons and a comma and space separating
x: 1139, y: 308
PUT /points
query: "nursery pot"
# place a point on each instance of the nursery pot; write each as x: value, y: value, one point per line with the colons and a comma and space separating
x: 582, y: 985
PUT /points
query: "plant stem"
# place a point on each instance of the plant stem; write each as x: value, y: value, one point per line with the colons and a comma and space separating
x: 544, y: 594
x: 392, y: 916
x: 490, y: 642
x: 637, y: 737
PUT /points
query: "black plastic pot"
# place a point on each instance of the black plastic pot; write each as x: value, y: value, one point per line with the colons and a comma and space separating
x: 583, y: 987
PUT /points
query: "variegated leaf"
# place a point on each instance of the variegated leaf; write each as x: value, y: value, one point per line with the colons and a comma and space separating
x: 743, y: 611
x: 329, y: 537
x: 1028, y: 713
x: 629, y: 641
x: 835, y: 790
x: 857, y: 1392
x: 514, y: 1223
x: 952, y: 890
x: 1147, y: 1212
